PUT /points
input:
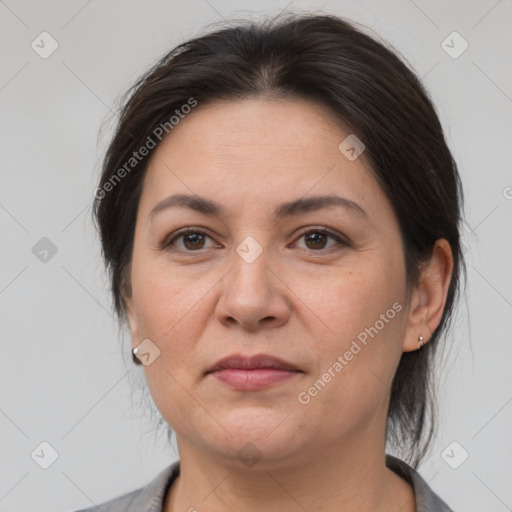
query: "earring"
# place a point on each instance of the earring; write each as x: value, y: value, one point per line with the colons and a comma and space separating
x: 420, y: 342
x: 136, y: 360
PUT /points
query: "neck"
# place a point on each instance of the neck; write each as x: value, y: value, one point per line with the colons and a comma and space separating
x: 340, y: 479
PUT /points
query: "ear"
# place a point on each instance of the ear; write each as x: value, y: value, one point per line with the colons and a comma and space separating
x: 132, y: 320
x: 429, y: 297
x: 130, y: 312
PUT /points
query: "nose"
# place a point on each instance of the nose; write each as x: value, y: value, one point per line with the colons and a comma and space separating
x: 253, y: 297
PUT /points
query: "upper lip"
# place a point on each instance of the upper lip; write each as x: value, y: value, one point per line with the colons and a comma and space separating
x: 259, y: 361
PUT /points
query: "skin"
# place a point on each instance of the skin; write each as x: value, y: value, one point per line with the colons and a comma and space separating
x: 302, y: 300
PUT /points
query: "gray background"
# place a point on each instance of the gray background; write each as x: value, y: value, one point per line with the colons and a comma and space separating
x: 63, y: 379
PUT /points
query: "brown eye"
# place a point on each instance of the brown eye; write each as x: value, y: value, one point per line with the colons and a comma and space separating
x: 318, y: 239
x: 187, y: 241
x: 193, y: 241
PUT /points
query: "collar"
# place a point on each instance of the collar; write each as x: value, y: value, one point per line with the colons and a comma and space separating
x: 426, y: 499
x: 151, y: 497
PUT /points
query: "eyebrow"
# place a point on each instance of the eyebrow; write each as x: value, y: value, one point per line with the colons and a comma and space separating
x: 289, y: 209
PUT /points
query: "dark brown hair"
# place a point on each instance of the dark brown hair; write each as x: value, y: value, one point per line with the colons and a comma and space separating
x: 366, y: 86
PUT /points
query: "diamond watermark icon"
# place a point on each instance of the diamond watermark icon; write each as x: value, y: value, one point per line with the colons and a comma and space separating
x: 44, y: 45
x: 44, y: 455
x: 146, y: 352
x: 249, y: 455
x: 454, y: 455
x: 454, y: 45
x: 249, y: 249
x: 44, y: 250
x: 351, y: 147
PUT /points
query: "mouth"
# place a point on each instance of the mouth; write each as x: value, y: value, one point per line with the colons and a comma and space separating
x: 254, y: 372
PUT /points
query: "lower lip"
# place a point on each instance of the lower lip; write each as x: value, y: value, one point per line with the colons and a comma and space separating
x: 253, y: 379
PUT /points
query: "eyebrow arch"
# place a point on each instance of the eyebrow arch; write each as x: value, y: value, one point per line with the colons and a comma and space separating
x: 315, y: 203
x: 289, y: 209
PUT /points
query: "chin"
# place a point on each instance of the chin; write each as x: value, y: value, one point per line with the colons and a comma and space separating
x: 266, y: 435
x: 255, y: 422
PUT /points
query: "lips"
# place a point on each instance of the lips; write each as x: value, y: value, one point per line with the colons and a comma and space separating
x: 252, y: 372
x: 257, y: 362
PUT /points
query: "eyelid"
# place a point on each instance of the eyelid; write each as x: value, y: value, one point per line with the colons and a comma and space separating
x: 340, y: 239
x: 169, y: 240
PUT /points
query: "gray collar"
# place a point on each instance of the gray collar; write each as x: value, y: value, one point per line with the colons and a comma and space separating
x: 151, y: 497
x: 426, y: 499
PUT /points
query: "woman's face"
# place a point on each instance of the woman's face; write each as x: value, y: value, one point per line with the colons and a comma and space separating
x: 258, y: 275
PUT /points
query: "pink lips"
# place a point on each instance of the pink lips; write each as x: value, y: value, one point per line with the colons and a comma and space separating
x: 252, y: 373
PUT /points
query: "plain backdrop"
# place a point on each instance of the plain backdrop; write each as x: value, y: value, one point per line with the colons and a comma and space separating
x: 63, y: 376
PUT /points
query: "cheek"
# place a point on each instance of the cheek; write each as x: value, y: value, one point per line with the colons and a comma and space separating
x: 362, y: 297
x: 166, y: 301
x: 172, y: 313
x: 365, y: 313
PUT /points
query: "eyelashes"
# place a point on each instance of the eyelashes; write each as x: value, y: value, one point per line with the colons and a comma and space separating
x: 195, y: 234
x: 325, y: 234
x: 193, y: 240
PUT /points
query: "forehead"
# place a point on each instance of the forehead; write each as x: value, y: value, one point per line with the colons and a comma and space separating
x: 258, y: 151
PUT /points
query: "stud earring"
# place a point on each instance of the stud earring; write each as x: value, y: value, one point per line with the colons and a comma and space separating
x: 136, y: 360
x: 420, y: 342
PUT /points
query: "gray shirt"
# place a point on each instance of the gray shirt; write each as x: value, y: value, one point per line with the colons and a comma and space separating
x: 150, y: 498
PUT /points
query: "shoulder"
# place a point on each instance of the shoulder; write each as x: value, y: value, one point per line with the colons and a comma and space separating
x: 149, y: 498
x: 426, y: 499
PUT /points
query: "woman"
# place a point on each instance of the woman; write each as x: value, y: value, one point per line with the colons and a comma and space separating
x: 279, y: 213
